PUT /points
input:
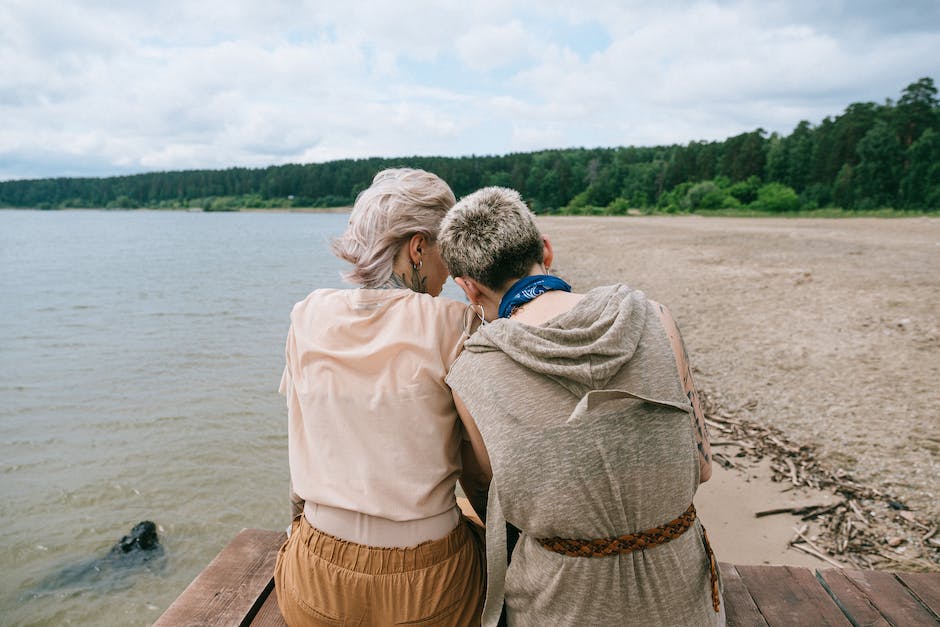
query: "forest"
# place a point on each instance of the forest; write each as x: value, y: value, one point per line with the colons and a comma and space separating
x: 870, y: 157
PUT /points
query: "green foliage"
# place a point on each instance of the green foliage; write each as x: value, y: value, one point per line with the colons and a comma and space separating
x: 618, y: 207
x: 745, y: 192
x: 869, y: 156
x: 704, y: 195
x: 920, y: 185
x: 744, y: 155
x: 881, y: 159
x: 122, y: 202
x: 777, y: 197
x: 708, y: 196
x: 577, y: 206
x: 917, y: 111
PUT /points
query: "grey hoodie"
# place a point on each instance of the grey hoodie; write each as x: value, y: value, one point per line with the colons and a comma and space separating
x: 589, y: 435
x: 581, y: 349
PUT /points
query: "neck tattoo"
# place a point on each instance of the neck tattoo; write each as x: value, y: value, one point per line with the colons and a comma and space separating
x: 395, y: 282
x: 418, y: 283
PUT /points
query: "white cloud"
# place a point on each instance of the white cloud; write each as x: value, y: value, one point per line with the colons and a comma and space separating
x: 493, y: 46
x: 530, y: 138
x: 95, y: 87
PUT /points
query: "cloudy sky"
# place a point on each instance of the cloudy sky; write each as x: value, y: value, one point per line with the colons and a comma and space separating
x: 102, y: 87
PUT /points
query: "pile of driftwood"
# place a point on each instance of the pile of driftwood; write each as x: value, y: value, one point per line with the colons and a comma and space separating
x: 865, y: 528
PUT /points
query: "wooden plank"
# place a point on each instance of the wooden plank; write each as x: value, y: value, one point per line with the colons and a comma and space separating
x: 854, y: 603
x: 790, y: 596
x: 892, y: 599
x: 269, y: 614
x: 228, y: 589
x: 237, y: 588
x: 926, y: 587
x: 740, y: 609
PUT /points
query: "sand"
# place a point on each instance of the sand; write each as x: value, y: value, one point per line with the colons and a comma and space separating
x: 827, y: 329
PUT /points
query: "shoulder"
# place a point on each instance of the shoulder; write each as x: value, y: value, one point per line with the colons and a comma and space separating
x: 461, y: 376
x: 320, y: 295
x: 436, y: 319
x: 435, y: 304
x: 315, y: 299
x: 438, y: 313
x: 467, y: 368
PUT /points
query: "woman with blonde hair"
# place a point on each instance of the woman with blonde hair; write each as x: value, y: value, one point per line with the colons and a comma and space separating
x: 375, y: 443
x: 583, y: 408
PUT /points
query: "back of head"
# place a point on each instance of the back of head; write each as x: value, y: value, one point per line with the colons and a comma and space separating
x: 400, y: 203
x: 491, y: 237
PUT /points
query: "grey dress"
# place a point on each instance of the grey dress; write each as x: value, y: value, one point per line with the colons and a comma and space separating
x: 590, y: 436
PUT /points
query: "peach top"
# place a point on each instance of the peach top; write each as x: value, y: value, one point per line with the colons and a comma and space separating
x: 372, y: 425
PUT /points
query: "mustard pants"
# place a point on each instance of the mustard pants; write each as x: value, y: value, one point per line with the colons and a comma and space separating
x: 322, y: 580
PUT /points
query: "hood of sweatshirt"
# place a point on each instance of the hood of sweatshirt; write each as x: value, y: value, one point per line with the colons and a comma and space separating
x: 583, y: 348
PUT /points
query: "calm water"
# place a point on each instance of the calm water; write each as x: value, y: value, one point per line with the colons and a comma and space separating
x: 140, y: 354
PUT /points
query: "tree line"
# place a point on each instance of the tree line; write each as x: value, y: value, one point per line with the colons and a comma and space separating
x: 871, y: 156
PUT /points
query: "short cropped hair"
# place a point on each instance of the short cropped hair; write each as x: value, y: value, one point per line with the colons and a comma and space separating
x: 400, y: 203
x: 490, y: 236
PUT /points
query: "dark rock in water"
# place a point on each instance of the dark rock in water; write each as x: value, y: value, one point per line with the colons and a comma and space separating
x: 138, y: 551
x: 143, y: 537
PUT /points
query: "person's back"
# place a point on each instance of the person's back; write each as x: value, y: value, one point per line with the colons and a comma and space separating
x: 588, y: 417
x: 366, y: 370
x: 624, y: 459
x: 374, y: 438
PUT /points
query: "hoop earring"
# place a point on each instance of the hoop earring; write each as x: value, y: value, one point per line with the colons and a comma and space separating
x: 471, y: 316
x: 419, y: 265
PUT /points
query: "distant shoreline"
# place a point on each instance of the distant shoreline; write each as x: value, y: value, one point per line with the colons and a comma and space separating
x: 292, y: 210
x: 826, y: 214
x: 194, y: 209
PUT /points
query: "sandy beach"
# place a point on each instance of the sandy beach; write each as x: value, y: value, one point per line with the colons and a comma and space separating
x: 826, y: 331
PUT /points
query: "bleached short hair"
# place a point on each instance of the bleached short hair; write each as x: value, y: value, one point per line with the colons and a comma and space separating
x: 490, y: 236
x: 400, y: 203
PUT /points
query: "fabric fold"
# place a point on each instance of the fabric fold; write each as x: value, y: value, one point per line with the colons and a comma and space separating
x: 496, y: 559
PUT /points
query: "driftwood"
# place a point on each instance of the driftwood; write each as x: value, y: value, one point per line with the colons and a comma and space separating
x: 823, y: 510
x: 724, y: 461
x: 860, y: 528
x: 805, y: 511
x: 812, y: 548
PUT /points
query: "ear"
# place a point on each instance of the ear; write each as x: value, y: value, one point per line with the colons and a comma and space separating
x: 416, y: 247
x: 548, y: 253
x: 469, y: 287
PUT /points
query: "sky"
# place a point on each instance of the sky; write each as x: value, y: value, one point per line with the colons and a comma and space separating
x: 110, y: 87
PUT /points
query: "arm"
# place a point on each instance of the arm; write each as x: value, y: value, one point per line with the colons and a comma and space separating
x: 477, y: 472
x: 287, y: 389
x: 688, y: 386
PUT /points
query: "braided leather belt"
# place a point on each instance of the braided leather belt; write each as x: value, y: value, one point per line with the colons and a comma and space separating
x: 638, y: 541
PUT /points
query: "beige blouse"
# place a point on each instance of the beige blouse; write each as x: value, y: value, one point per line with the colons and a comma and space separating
x: 372, y: 425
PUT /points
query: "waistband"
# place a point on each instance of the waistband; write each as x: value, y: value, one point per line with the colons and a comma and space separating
x: 625, y: 543
x: 375, y: 531
x: 638, y: 541
x: 380, y: 560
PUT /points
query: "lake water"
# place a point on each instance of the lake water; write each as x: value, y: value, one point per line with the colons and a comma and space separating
x: 140, y: 354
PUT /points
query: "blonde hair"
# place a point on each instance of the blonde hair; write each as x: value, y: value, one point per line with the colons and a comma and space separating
x: 400, y: 203
x: 490, y: 236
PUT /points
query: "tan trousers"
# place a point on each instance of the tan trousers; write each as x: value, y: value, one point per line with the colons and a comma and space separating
x: 321, y: 580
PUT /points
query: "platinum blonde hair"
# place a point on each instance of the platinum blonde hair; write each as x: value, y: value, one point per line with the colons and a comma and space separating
x: 400, y: 203
x: 490, y: 236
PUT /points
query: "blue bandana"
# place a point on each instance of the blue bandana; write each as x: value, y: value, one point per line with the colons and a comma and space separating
x: 528, y: 289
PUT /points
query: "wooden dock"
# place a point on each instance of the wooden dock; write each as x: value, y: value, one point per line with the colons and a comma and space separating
x: 237, y: 588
